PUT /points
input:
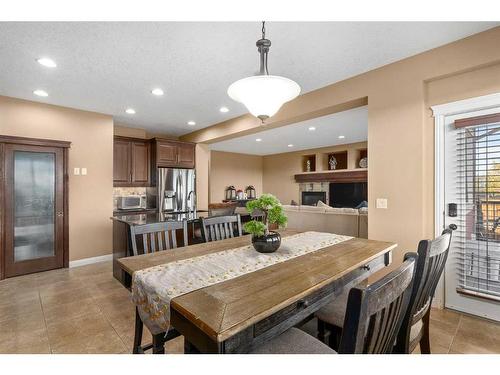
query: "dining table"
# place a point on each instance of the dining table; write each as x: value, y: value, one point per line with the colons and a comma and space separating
x: 237, y: 314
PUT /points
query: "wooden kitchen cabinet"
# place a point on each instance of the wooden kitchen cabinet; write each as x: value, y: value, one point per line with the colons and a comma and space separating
x: 140, y: 163
x: 121, y: 162
x: 173, y: 154
x: 131, y: 162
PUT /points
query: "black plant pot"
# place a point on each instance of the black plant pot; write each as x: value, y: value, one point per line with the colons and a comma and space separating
x: 267, y: 244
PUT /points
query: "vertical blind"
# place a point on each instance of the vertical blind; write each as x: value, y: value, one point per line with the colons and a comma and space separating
x: 477, y: 239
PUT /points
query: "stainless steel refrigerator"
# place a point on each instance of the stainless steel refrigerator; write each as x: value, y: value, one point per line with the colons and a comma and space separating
x: 176, y: 190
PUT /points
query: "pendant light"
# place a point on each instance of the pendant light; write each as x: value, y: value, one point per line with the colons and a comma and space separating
x: 263, y: 94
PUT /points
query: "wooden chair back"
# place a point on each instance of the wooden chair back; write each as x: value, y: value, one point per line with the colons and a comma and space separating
x: 222, y: 209
x: 375, y: 313
x: 257, y: 215
x: 158, y: 236
x: 432, y: 256
x: 218, y: 228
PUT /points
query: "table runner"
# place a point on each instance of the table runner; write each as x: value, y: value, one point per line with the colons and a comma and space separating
x: 153, y: 288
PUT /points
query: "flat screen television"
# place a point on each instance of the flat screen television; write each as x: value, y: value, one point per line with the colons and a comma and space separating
x: 348, y: 194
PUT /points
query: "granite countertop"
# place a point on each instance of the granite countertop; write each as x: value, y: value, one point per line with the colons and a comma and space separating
x: 156, y: 217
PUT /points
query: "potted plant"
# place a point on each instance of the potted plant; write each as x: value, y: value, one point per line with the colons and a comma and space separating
x: 264, y: 240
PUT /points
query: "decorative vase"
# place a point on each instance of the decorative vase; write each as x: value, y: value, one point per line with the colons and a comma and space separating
x: 267, y: 243
x: 363, y: 163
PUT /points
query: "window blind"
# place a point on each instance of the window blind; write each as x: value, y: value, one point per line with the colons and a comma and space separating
x: 477, y: 239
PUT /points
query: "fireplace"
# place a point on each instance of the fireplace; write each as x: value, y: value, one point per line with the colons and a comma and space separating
x: 311, y: 198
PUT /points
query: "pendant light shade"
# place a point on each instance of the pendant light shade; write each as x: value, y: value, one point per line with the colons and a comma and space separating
x: 263, y: 94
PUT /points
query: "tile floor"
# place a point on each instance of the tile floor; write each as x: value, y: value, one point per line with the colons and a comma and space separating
x: 85, y: 310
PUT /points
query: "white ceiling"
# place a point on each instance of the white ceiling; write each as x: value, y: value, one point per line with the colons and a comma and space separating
x: 107, y: 67
x: 352, y: 124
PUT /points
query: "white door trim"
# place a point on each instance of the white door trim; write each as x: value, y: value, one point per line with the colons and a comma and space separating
x: 440, y: 112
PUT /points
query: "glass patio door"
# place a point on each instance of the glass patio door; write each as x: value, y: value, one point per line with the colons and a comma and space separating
x: 472, y: 197
x: 34, y: 200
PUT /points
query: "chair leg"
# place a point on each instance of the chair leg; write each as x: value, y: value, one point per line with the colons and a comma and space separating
x: 322, y: 333
x: 335, y: 335
x: 159, y: 343
x: 138, y: 333
x: 425, y: 344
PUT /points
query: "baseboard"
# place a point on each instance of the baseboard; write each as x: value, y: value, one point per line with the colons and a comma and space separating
x: 438, y: 303
x: 86, y: 261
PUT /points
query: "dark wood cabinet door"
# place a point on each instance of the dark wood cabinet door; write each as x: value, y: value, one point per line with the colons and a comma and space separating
x: 121, y: 163
x: 166, y: 154
x: 34, y: 209
x: 186, y: 155
x: 140, y: 163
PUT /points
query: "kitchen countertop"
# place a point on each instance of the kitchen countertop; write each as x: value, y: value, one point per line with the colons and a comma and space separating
x: 134, y: 218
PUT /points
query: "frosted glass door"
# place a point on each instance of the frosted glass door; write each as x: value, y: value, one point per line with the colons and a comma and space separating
x: 34, y: 209
x: 34, y: 201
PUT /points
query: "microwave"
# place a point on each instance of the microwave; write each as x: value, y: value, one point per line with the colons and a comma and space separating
x: 130, y: 202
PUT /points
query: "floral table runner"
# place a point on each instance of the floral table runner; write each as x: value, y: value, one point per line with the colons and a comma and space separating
x: 153, y: 288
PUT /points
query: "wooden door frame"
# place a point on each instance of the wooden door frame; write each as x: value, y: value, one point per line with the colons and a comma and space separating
x: 64, y: 145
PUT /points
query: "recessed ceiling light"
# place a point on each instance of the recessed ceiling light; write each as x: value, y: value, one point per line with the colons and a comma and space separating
x: 312, y: 128
x: 157, y: 92
x: 341, y: 136
x: 192, y: 123
x: 45, y: 61
x: 258, y: 139
x: 290, y: 145
x: 130, y: 111
x: 40, y: 93
x: 224, y: 109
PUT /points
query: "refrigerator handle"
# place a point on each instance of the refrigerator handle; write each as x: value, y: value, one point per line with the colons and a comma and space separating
x: 178, y: 193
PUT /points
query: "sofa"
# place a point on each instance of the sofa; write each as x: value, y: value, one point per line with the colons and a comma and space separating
x: 346, y: 221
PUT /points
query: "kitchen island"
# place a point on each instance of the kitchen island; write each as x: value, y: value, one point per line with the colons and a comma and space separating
x: 122, y: 246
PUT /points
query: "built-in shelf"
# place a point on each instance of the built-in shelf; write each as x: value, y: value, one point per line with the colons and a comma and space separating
x: 346, y: 175
x: 341, y: 159
x: 311, y: 160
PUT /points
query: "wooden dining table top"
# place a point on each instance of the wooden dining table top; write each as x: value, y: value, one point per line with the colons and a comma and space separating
x: 223, y: 309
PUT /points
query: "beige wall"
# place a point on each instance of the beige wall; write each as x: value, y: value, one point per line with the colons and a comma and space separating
x: 399, y: 130
x: 239, y: 170
x: 202, y: 176
x: 279, y: 169
x: 91, y: 137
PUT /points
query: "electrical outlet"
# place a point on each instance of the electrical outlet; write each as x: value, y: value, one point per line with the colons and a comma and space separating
x: 76, y: 171
x: 84, y: 171
x: 381, y: 203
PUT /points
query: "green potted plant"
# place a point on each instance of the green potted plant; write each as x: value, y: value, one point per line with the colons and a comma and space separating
x: 264, y: 240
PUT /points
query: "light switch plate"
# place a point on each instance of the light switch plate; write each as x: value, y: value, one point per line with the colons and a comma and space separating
x: 381, y: 203
x: 84, y: 171
x: 76, y: 171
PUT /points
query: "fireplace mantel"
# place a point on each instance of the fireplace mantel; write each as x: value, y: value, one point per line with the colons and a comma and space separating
x: 353, y: 175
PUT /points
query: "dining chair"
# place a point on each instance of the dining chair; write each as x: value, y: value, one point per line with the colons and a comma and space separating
x: 155, y: 237
x: 222, y: 209
x: 372, y: 321
x: 430, y: 266
x: 218, y: 228
x: 432, y: 256
x: 158, y: 236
